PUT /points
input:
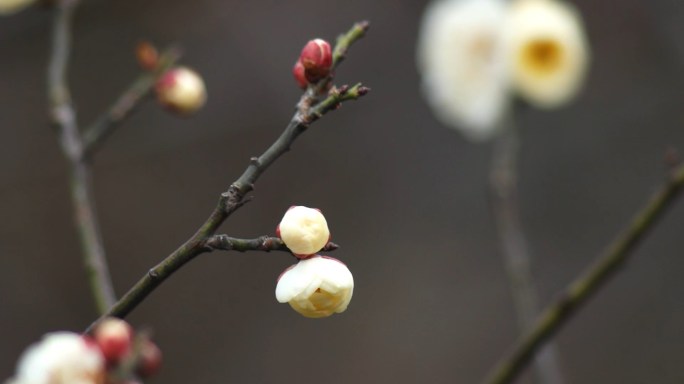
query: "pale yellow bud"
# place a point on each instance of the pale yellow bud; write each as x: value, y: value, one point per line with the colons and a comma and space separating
x: 304, y: 230
x: 181, y: 90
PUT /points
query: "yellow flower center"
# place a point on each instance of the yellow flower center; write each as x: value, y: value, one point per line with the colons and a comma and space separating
x: 543, y: 56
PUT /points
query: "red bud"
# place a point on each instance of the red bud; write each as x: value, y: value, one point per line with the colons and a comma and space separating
x: 150, y: 359
x: 114, y: 338
x: 316, y: 57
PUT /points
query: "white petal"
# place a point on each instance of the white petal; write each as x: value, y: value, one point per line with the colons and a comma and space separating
x: 462, y: 62
x: 316, y: 287
x: 60, y: 358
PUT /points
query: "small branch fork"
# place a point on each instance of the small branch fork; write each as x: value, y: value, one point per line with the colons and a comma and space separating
x: 263, y: 243
x: 309, y: 109
x: 588, y: 283
x: 78, y: 148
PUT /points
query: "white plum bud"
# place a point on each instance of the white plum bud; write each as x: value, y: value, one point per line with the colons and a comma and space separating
x: 181, y: 90
x: 316, y: 287
x: 304, y: 230
x: 61, y: 358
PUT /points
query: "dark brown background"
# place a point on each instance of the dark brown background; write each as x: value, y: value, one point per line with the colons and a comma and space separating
x: 405, y: 197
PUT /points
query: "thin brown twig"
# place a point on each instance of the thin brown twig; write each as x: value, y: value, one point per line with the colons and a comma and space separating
x: 235, y: 196
x: 64, y: 117
x: 589, y: 282
x: 263, y: 243
x: 514, y: 248
x: 96, y: 134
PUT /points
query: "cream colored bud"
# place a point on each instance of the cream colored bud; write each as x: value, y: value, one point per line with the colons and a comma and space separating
x: 304, y: 230
x: 549, y: 51
x: 316, y: 287
x: 462, y: 63
x: 181, y: 90
x: 11, y: 6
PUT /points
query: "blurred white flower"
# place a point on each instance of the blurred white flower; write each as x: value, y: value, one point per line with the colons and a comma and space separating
x: 304, y: 230
x: 316, y: 287
x: 548, y: 49
x: 11, y: 6
x: 61, y: 358
x: 462, y: 62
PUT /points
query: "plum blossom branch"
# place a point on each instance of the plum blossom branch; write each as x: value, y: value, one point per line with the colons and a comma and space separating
x: 514, y: 248
x: 589, y: 282
x: 263, y: 243
x: 95, y: 135
x: 235, y: 196
x: 64, y: 117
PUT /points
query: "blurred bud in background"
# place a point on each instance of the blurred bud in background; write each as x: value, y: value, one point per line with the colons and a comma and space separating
x: 61, y: 358
x: 181, y: 90
x: 8, y: 7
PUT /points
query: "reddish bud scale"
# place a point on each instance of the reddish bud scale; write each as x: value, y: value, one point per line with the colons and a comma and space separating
x: 147, y: 55
x: 316, y: 57
x: 150, y: 359
x: 298, y: 73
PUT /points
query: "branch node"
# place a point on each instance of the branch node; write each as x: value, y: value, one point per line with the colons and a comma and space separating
x: 153, y: 274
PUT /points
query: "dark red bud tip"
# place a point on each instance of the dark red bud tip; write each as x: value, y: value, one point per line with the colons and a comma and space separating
x: 316, y: 57
x: 363, y: 90
x: 150, y: 359
x: 298, y: 73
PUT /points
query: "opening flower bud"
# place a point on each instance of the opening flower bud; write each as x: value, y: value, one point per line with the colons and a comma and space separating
x: 304, y: 230
x: 181, y: 90
x: 549, y: 51
x: 316, y: 287
x: 316, y: 58
x: 114, y: 338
